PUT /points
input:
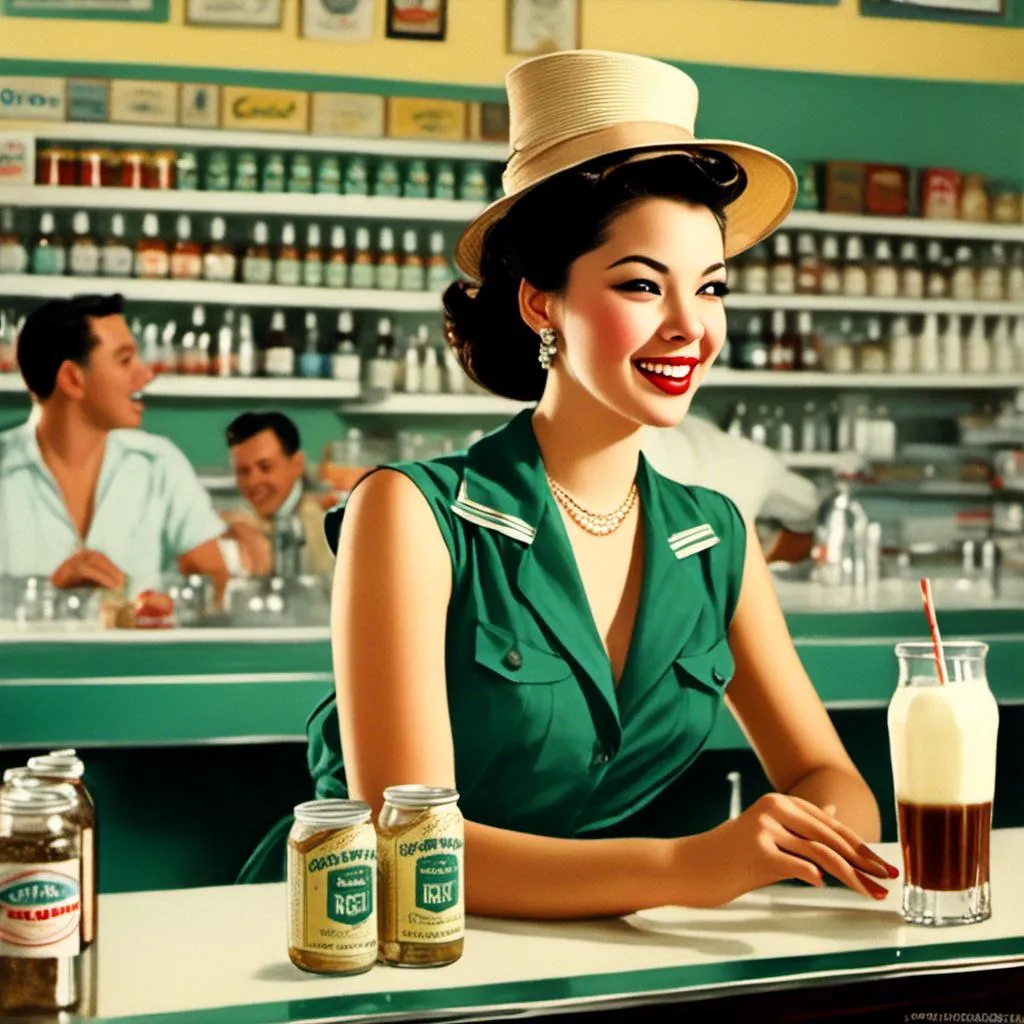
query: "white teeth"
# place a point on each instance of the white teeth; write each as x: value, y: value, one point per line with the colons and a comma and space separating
x: 137, y: 396
x: 666, y: 369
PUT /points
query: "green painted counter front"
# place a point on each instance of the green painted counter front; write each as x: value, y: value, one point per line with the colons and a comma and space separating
x: 195, y: 740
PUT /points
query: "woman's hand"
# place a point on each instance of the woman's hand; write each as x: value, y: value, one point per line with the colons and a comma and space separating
x: 778, y: 837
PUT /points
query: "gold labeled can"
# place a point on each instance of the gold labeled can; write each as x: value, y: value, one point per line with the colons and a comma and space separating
x: 420, y: 840
x: 332, y: 887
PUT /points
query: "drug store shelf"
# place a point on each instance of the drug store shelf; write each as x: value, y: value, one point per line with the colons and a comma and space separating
x: 277, y: 204
x: 722, y: 377
x: 914, y: 227
x: 216, y: 293
x: 435, y: 405
x: 849, y: 304
x: 219, y: 138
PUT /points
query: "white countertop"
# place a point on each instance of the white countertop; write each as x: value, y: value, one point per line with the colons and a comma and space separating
x: 221, y: 954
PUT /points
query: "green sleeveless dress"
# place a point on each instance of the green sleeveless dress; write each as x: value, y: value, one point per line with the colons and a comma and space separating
x: 544, y: 741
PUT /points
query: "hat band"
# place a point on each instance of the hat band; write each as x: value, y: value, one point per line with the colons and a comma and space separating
x: 526, y: 169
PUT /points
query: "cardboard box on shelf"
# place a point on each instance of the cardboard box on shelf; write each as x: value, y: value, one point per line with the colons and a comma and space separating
x: 488, y: 122
x: 348, y: 113
x: 142, y: 102
x: 887, y: 190
x: 411, y: 118
x: 264, y: 110
x: 844, y: 186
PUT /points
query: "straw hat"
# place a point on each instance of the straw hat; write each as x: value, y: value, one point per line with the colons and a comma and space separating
x: 569, y: 107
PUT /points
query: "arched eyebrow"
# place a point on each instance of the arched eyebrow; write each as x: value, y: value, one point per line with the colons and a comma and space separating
x: 661, y: 268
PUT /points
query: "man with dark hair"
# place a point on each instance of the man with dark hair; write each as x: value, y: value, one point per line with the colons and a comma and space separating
x: 270, y: 470
x: 86, y: 497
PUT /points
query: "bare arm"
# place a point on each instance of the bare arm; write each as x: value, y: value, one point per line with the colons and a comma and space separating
x: 206, y: 560
x: 780, y: 711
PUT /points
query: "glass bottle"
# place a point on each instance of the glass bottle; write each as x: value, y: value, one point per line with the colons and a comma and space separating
x: 759, y: 425
x: 328, y: 176
x: 346, y: 363
x: 831, y: 267
x: 936, y: 281
x: 357, y: 177
x: 219, y: 260
x: 413, y: 277
x: 386, y: 274
x: 279, y: 353
x: 842, y: 353
x: 951, y: 347
x: 272, y: 177
x: 336, y: 268
x: 974, y: 201
x: 444, y: 180
x: 246, y: 177
x: 300, y: 174
x: 248, y: 355
x: 116, y: 256
x: 928, y: 354
x: 387, y: 180
x: 752, y: 350
x: 411, y: 381
x: 885, y: 278
x: 1015, y: 275
x: 977, y: 349
x: 380, y: 367
x: 453, y: 375
x: 8, y: 343
x: 224, y: 357
x: 167, y: 360
x: 433, y: 374
x: 737, y: 426
x: 964, y: 283
x: 992, y: 273
x: 1003, y: 357
x: 257, y: 265
x: 313, y: 259
x: 362, y: 273
x: 84, y: 254
x: 901, y: 346
x: 808, y: 349
x: 13, y: 254
x: 809, y: 428
x: 187, y: 254
x: 311, y: 359
x: 194, y: 359
x: 910, y: 271
x: 50, y: 256
x: 152, y: 259
x: 872, y: 357
x: 808, y: 265
x: 753, y: 276
x: 782, y: 274
x: 439, y: 271
x: 417, y: 180
x: 782, y: 436
x: 855, y: 274
x: 782, y: 344
x: 287, y: 265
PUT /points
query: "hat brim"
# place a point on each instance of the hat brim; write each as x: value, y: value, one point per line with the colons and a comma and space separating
x: 753, y: 215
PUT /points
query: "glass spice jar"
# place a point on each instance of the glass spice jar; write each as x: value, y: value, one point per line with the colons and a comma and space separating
x: 332, y: 887
x: 420, y: 840
x: 133, y: 162
x: 158, y: 170
x: 56, y: 166
x: 40, y: 900
x: 90, y: 168
x: 111, y: 169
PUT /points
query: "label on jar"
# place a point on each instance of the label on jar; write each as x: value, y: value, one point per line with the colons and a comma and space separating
x: 186, y: 266
x: 333, y: 895
x: 13, y: 258
x: 116, y: 261
x: 257, y: 270
x: 152, y: 263
x: 421, y: 869
x: 40, y: 909
x: 280, y: 361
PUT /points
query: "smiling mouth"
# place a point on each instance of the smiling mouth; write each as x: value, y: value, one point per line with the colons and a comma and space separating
x: 670, y: 376
x: 138, y: 396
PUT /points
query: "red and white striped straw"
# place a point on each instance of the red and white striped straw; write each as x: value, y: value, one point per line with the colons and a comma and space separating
x: 933, y: 625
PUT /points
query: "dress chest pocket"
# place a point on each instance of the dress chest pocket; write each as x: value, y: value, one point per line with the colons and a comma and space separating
x: 709, y: 671
x: 513, y: 660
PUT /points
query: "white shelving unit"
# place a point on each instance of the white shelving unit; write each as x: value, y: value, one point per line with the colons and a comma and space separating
x: 822, y: 460
x: 262, y: 204
x: 914, y: 227
x: 216, y: 293
x: 221, y: 138
x: 436, y: 405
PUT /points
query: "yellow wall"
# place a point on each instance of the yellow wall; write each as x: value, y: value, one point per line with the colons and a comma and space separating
x: 730, y: 32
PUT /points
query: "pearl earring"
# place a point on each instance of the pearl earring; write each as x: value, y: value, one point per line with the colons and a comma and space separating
x: 548, y: 347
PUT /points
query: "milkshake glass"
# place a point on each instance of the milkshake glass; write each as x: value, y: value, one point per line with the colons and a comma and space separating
x: 942, y: 739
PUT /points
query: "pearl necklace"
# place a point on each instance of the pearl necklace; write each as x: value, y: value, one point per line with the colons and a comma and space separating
x: 600, y: 524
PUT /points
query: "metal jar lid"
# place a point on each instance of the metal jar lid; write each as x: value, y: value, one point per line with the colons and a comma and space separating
x: 65, y: 763
x: 420, y: 796
x: 38, y: 801
x: 333, y: 813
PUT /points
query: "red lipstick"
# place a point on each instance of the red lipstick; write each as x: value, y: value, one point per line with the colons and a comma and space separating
x: 652, y: 371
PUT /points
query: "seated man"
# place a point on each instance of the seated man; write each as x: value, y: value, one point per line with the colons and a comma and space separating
x: 87, y: 498
x: 270, y: 470
x: 754, y: 477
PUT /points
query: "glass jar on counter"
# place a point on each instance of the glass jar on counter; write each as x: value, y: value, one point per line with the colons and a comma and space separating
x: 158, y: 171
x: 901, y: 346
x: 753, y: 277
x: 963, y: 285
x: 1006, y: 205
x: 133, y: 163
x: 841, y: 351
x: 831, y: 271
x: 40, y: 867
x: 782, y: 271
x: 56, y: 165
x: 883, y: 277
x: 872, y: 356
x: 911, y: 273
x: 91, y: 167
x: 808, y: 265
x: 246, y: 177
x: 974, y: 204
x: 992, y: 273
x: 855, y: 271
x: 937, y: 271
x: 187, y: 170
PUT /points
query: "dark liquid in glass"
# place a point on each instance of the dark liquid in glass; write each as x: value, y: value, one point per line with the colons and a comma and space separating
x: 945, y: 847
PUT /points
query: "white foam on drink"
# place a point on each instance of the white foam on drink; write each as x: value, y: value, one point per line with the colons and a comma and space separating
x: 943, y: 743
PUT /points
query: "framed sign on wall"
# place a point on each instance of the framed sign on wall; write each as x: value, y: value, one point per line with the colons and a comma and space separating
x: 995, y: 13
x: 344, y: 21
x: 234, y: 13
x: 543, y: 26
x: 102, y: 10
x: 417, y: 19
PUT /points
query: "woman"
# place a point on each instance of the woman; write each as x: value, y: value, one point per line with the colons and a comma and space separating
x: 563, y: 666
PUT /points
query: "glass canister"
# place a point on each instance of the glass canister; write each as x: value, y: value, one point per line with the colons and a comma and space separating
x: 943, y: 725
x: 64, y: 766
x: 40, y: 900
x: 332, y: 887
x: 420, y: 840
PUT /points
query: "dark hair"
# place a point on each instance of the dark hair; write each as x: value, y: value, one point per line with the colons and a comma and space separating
x: 57, y: 331
x: 249, y: 424
x: 540, y: 237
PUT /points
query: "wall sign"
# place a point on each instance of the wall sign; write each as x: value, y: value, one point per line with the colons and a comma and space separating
x: 995, y: 13
x: 264, y: 110
x: 343, y: 21
x: 235, y: 13
x: 543, y: 26
x: 417, y: 19
x: 347, y: 113
x: 34, y: 99
x: 104, y: 10
x: 88, y: 99
x: 200, y: 106
x: 143, y: 102
x: 17, y: 158
x: 410, y: 118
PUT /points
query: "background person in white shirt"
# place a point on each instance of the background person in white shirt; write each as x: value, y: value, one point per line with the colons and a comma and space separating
x: 85, y: 497
x: 754, y: 477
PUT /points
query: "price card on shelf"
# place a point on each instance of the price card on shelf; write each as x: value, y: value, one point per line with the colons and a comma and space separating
x: 17, y: 158
x: 32, y: 99
x: 264, y: 110
x: 88, y: 99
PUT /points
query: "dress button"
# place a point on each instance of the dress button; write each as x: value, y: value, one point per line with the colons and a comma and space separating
x: 602, y: 756
x: 718, y: 675
x: 513, y: 659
